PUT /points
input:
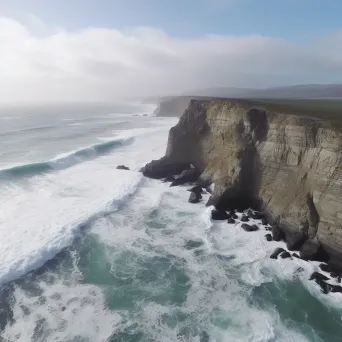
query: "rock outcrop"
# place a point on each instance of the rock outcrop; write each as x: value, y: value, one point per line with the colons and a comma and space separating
x: 173, y: 106
x: 288, y: 166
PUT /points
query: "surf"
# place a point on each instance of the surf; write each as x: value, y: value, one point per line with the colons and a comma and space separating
x: 65, y: 160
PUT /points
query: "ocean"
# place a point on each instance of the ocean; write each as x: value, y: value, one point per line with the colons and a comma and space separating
x: 89, y: 253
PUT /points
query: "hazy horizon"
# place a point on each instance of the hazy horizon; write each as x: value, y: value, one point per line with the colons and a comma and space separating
x: 102, y: 51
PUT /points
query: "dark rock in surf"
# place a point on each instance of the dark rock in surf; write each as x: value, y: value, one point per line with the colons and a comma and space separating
x: 277, y: 233
x: 268, y: 237
x: 163, y: 168
x: 325, y: 287
x: 312, y: 250
x: 285, y: 255
x: 232, y: 214
x: 255, y: 215
x: 122, y: 167
x: 276, y: 252
x: 331, y: 268
x: 318, y: 276
x: 168, y: 179
x: 219, y: 215
x: 249, y: 228
x: 326, y: 267
x: 187, y: 176
x: 195, y: 197
x: 231, y: 220
x: 268, y: 229
x: 197, y: 189
x: 244, y: 218
x: 239, y: 210
x: 335, y: 288
x: 295, y: 255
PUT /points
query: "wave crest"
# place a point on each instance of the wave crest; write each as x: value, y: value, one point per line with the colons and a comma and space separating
x: 65, y: 160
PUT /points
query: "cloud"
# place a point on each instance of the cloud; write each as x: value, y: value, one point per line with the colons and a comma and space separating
x: 99, y: 64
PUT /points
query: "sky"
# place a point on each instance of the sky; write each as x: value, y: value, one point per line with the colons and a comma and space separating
x: 87, y: 50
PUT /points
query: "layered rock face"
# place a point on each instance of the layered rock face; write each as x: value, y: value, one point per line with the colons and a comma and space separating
x: 287, y: 165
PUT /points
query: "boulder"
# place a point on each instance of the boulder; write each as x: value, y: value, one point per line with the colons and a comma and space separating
x: 219, y: 215
x: 122, y: 167
x: 231, y: 220
x: 312, y: 250
x: 268, y: 237
x: 326, y: 288
x: 269, y: 229
x: 169, y: 179
x: 244, y: 218
x: 285, y: 255
x: 232, y: 214
x: 295, y: 255
x: 187, y: 176
x: 318, y: 276
x: 326, y: 267
x: 277, y: 233
x: 331, y: 268
x: 197, y: 189
x: 256, y: 215
x: 163, y: 168
x: 276, y: 252
x: 249, y: 228
x: 335, y: 288
x: 195, y: 197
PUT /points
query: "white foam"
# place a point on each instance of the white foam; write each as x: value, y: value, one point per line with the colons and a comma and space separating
x: 65, y: 311
x: 44, y: 217
x: 215, y: 300
x: 37, y: 221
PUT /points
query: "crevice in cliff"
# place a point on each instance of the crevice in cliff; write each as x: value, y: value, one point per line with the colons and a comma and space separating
x: 313, y: 217
x: 244, y: 191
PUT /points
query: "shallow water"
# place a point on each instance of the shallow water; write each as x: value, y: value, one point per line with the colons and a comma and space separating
x: 91, y: 253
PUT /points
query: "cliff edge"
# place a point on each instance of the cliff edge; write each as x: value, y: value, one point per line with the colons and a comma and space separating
x: 287, y: 165
x: 174, y: 106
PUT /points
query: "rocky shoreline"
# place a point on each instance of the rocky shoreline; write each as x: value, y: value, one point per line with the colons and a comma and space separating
x: 286, y: 168
x: 250, y: 221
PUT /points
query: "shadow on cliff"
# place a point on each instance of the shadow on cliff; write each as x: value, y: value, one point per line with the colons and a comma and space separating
x: 251, y: 131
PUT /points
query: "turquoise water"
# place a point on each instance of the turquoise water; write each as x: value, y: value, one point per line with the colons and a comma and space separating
x: 113, y: 256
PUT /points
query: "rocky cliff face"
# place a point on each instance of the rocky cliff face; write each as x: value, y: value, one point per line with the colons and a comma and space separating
x: 174, y: 106
x: 287, y: 165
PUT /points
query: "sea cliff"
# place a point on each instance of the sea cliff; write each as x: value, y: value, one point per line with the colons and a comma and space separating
x: 283, y: 163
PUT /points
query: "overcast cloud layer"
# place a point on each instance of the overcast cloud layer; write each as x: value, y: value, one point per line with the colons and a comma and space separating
x: 98, y: 64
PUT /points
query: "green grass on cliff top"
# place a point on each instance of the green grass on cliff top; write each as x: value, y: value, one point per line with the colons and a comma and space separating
x: 329, y: 109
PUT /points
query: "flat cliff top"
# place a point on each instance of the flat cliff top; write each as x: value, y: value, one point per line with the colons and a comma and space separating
x: 325, y: 109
